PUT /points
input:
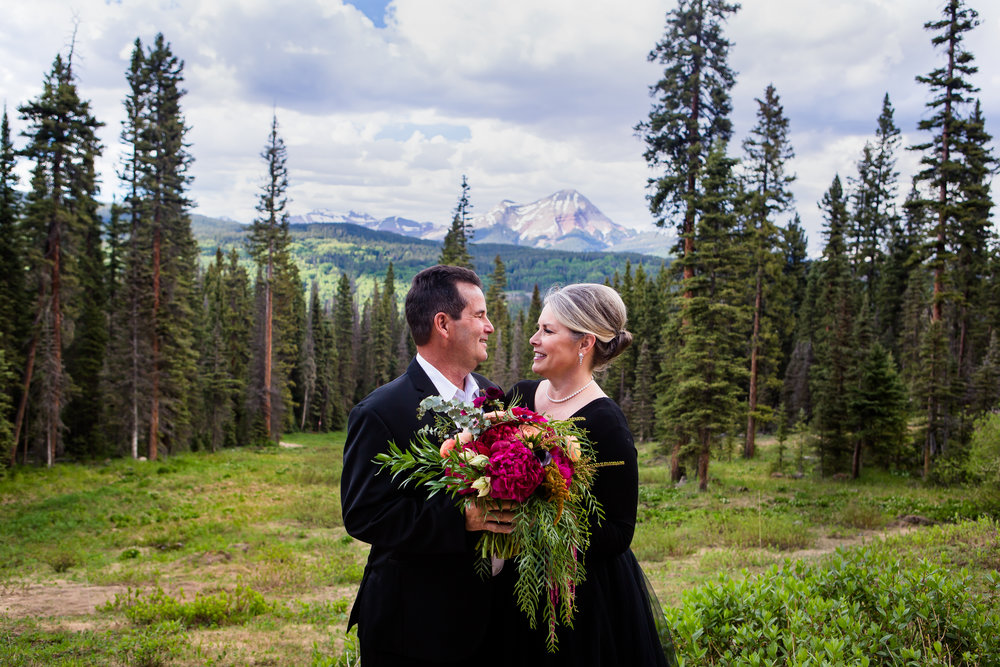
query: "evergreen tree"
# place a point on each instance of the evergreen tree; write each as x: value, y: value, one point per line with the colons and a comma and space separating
x: 13, y: 295
x: 530, y: 326
x: 14, y: 301
x: 267, y: 244
x: 345, y: 373
x: 166, y: 223
x: 216, y: 382
x: 455, y: 250
x: 497, y: 365
x: 955, y: 162
x: 834, y: 346
x: 691, y: 111
x: 986, y: 380
x: 874, y: 213
x: 767, y: 151
x: 706, y: 373
x: 127, y: 376
x: 387, y: 324
x: 904, y: 256
x: 62, y: 143
x: 878, y: 405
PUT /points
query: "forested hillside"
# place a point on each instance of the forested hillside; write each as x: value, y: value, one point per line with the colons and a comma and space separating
x: 324, y: 251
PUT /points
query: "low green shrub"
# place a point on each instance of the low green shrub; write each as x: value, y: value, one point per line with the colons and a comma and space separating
x: 206, y: 610
x: 861, y: 608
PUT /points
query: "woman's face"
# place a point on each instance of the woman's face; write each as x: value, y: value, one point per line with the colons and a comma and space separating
x: 557, y: 349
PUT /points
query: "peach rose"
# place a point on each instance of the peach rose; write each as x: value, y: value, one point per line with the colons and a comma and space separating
x: 446, y: 447
x: 465, y: 437
x: 572, y: 448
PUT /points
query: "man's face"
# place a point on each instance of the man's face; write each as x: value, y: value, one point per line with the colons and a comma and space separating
x: 468, y: 344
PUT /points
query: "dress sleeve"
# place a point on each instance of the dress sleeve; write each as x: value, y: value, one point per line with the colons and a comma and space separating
x: 377, y: 511
x: 615, y: 487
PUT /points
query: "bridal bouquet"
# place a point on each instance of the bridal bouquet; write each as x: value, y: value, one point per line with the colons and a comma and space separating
x: 488, y: 453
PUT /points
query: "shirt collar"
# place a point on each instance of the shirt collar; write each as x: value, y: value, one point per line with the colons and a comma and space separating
x: 444, y: 386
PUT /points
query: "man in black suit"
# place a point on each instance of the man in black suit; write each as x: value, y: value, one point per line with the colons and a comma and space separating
x: 421, y: 601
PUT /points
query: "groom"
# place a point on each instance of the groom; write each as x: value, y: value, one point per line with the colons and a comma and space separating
x: 421, y: 601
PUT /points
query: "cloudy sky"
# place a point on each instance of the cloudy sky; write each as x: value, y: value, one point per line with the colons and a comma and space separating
x: 384, y: 105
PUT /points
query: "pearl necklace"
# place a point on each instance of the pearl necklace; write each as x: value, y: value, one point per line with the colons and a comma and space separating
x: 563, y: 400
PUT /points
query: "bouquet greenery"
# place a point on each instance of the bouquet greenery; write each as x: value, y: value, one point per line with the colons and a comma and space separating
x: 488, y: 453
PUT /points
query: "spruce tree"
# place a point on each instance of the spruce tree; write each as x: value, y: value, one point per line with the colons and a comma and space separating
x: 14, y: 303
x: 832, y: 373
x: 878, y: 405
x: 497, y: 366
x: 706, y: 374
x: 455, y: 250
x: 267, y: 244
x: 166, y: 223
x: 14, y: 298
x: 63, y: 145
x: 767, y: 152
x: 127, y: 373
x: 874, y: 213
x: 345, y: 374
x: 691, y: 109
x: 954, y: 163
x: 530, y: 326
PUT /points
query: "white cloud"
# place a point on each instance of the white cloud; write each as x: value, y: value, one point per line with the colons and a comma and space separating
x: 524, y: 97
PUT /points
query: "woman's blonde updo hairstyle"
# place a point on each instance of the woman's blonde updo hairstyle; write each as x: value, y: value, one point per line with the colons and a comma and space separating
x: 590, y: 308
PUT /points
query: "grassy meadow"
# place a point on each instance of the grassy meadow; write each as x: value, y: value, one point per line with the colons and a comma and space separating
x: 240, y: 558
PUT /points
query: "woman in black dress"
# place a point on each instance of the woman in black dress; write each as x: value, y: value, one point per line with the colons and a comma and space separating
x: 618, y: 620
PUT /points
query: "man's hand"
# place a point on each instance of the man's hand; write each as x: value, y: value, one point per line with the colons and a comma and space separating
x: 496, y: 518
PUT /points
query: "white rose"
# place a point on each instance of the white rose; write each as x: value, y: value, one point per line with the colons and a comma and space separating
x: 479, y: 461
x: 483, y: 486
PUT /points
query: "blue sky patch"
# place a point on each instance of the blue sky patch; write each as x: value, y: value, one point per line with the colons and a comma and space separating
x: 373, y: 9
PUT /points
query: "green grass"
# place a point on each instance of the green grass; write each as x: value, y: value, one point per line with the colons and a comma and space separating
x: 187, y: 533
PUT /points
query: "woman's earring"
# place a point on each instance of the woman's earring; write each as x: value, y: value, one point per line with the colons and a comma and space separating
x: 581, y: 358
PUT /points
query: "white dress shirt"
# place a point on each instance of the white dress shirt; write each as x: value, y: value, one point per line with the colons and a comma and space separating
x: 445, y: 388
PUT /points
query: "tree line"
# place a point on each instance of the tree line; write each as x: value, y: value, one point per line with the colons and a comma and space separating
x: 114, y: 340
x: 885, y: 348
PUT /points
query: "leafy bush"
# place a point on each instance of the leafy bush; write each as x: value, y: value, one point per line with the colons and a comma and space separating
x: 861, y: 608
x: 222, y: 608
x: 984, y: 451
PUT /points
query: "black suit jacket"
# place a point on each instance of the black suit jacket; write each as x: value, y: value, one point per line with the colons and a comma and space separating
x: 420, y: 580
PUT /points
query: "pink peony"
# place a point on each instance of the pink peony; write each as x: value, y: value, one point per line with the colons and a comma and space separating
x: 564, y: 464
x: 528, y: 415
x: 514, y: 471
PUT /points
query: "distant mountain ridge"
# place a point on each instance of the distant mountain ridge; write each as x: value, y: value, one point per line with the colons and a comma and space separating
x: 565, y: 220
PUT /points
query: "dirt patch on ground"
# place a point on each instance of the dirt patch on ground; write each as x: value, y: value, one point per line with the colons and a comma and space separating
x: 58, y: 598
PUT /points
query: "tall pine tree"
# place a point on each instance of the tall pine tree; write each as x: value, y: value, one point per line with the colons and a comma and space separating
x: 63, y: 145
x: 767, y: 152
x: 455, y: 250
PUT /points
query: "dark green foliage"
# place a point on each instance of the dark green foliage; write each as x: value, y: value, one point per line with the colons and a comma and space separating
x: 62, y: 247
x: 955, y: 162
x: 767, y: 152
x: 703, y: 379
x: 862, y: 607
x: 834, y: 344
x: 280, y: 316
x: 345, y: 378
x: 879, y: 407
x: 691, y: 108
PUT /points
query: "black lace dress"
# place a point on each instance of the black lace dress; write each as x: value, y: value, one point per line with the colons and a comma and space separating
x: 618, y: 620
